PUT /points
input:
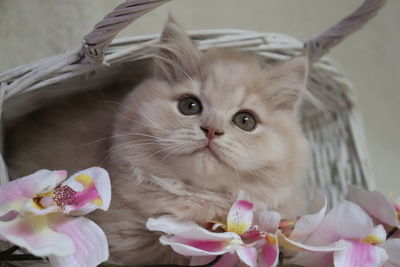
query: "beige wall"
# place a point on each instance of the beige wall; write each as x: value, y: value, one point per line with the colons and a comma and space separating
x: 34, y: 29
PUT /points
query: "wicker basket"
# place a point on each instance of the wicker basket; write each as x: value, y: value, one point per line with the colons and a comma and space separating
x: 336, y: 135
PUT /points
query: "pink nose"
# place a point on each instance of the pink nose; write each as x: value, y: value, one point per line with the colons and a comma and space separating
x: 211, y: 132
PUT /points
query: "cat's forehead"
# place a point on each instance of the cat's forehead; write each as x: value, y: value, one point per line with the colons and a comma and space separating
x: 232, y: 83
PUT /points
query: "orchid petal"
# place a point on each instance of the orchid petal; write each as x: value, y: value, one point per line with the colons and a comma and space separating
x: 375, y: 203
x: 169, y: 225
x: 269, y: 256
x: 248, y: 255
x: 240, y: 217
x: 377, y: 236
x: 308, y: 223
x: 34, y: 234
x: 201, y: 234
x: 360, y: 254
x: 190, y: 239
x: 392, y: 247
x: 195, y: 247
x: 93, y: 191
x: 188, y: 229
x: 12, y: 207
x: 14, y: 194
x: 292, y: 245
x: 89, y: 240
x: 345, y: 221
x: 269, y: 221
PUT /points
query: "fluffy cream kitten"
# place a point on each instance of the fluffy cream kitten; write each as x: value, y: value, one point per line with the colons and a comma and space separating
x: 188, y: 139
x: 185, y: 142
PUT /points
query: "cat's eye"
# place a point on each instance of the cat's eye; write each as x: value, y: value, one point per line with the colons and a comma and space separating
x: 245, y: 121
x: 190, y: 105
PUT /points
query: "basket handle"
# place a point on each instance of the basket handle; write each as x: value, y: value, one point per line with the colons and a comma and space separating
x: 320, y: 45
x: 96, y: 42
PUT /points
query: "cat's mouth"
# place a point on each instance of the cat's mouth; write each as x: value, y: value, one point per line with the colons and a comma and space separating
x: 207, y: 150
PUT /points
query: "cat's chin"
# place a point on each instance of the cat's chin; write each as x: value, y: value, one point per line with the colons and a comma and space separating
x: 207, y: 153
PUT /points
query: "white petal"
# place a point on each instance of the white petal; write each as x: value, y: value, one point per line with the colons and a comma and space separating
x: 359, y: 254
x: 292, y: 245
x: 248, y: 255
x: 169, y: 225
x: 190, y: 239
x: 374, y: 203
x: 308, y: 223
x: 172, y: 226
x: 192, y: 247
x: 268, y: 221
x: 240, y: 216
x: 89, y: 240
x: 34, y: 234
x: 392, y: 247
x: 377, y: 236
x: 345, y: 221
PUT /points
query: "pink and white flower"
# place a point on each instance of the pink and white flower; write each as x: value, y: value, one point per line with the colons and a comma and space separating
x: 349, y: 225
x: 34, y: 215
x: 190, y: 239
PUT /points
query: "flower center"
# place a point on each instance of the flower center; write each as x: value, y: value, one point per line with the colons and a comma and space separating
x: 64, y: 195
x: 372, y: 240
x: 43, y: 201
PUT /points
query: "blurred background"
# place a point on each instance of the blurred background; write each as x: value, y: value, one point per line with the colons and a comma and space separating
x: 31, y: 30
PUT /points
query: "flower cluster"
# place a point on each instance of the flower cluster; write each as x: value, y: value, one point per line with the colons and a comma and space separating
x: 42, y: 214
x: 346, y: 236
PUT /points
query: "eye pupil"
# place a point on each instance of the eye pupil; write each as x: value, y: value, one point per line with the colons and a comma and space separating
x: 190, y: 105
x: 245, y: 121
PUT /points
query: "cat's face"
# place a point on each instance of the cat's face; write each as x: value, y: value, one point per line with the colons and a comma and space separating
x: 219, y: 115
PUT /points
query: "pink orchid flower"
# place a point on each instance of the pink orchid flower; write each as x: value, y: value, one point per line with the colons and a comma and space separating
x: 349, y: 225
x: 34, y: 209
x: 190, y: 239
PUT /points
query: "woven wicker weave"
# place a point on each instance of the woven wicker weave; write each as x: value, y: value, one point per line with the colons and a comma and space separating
x: 336, y: 135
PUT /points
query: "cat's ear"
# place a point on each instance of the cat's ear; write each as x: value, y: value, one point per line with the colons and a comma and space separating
x: 177, y: 57
x: 287, y: 83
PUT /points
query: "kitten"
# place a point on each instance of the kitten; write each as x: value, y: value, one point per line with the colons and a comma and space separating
x: 188, y: 139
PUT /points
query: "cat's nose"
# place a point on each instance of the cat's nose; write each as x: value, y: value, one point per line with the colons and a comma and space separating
x: 211, y: 132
